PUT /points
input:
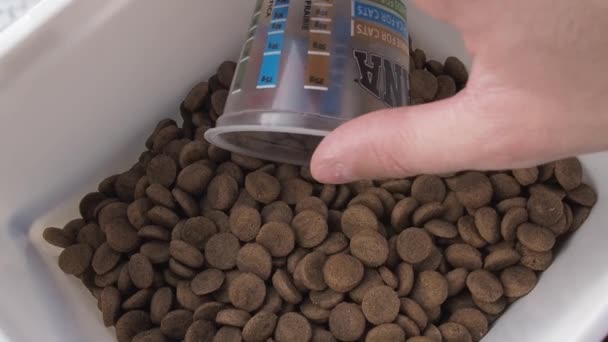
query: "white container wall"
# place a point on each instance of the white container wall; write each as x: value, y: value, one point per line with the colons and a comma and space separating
x: 82, y: 83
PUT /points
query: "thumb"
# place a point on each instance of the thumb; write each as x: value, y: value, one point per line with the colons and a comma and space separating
x: 462, y: 132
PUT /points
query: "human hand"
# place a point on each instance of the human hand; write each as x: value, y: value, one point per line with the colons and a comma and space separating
x: 538, y: 91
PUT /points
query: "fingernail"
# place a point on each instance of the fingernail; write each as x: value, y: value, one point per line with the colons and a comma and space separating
x: 331, y: 171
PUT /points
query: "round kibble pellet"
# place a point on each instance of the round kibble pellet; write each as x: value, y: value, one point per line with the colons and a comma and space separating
x: 414, y: 311
x: 505, y: 186
x: 537, y: 261
x: 486, y: 221
x: 255, y: 259
x: 494, y: 308
x: 260, y: 327
x: 197, y: 231
x: 370, y: 201
x: 408, y: 325
x: 371, y: 279
x: 357, y: 218
x: 163, y: 216
x: 76, y: 259
x: 278, y: 212
x: 518, y: 281
x: 277, y: 237
x: 208, y: 311
x: 160, y: 304
x: 194, y: 178
x: 423, y: 84
x: 176, y: 323
x: 88, y: 203
x: 208, y: 281
x: 185, y: 297
x: 441, y: 229
x: 130, y: 324
x: 245, y: 223
x: 430, y: 289
x: 401, y: 216
x: 501, y: 259
x: 310, y: 228
x: 388, y: 277
x: 73, y: 227
x: 343, y: 195
x: 326, y: 299
x: 347, y: 322
x: 227, y: 333
x: 57, y: 237
x: 545, y: 208
x: 137, y: 210
x: 414, y: 245
x: 428, y: 188
x: 156, y: 251
x: 180, y: 269
x: 232, y: 317
x: 247, y: 292
x: 583, y: 195
x: 456, y: 280
x: 262, y: 187
x: 405, y: 274
x: 484, y: 286
x: 446, y: 87
x: 342, y: 272
x: 312, y: 204
x: 196, y: 97
x: 104, y: 259
x: 222, y: 192
x: 535, y: 237
x: 569, y: 173
x: 456, y: 69
x: 314, y: 313
x: 222, y: 250
x: 309, y: 271
x: 454, y: 332
x: 511, y: 220
x: 473, y: 189
x: 92, y: 235
x: 463, y: 255
x: 427, y: 212
x: 386, y: 332
x: 141, y: 271
x: 294, y: 190
x: 370, y: 248
x: 472, y: 319
x: 160, y: 195
x: 380, y: 305
x: 292, y: 327
x: 334, y: 243
x: 186, y: 254
x: 285, y: 287
x: 200, y: 330
x: 162, y: 170
x: 109, y: 302
x: 138, y: 300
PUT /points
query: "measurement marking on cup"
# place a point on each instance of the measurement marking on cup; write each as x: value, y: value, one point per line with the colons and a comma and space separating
x: 241, y: 68
x: 271, y: 60
x: 318, y: 22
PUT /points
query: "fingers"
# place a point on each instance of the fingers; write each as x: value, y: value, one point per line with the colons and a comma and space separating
x: 463, y: 132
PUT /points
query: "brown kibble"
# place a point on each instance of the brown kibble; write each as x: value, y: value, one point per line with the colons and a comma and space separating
x: 245, y: 223
x: 535, y: 237
x: 92, y: 235
x: 347, y: 322
x: 194, y: 178
x: 57, y: 237
x: 186, y: 254
x: 225, y: 73
x: 484, y: 286
x: 104, y: 259
x: 220, y: 219
x: 430, y: 289
x: 294, y: 258
x: 370, y: 201
x: 314, y: 204
x: 110, y: 278
x: 357, y: 218
x: 160, y: 304
x: 161, y: 170
x: 222, y: 192
x: 419, y: 58
x: 386, y: 332
x: 441, y: 229
x: 342, y: 272
x: 277, y: 212
x: 457, y: 70
x: 569, y: 173
x: 401, y: 215
x: 232, y: 170
x: 88, y: 204
x: 446, y: 87
x: 176, y: 323
x: 408, y: 325
x: 196, y: 97
x: 370, y: 248
x: 494, y: 308
x: 486, y: 221
x: 310, y: 228
x: 454, y: 332
x: 137, y: 212
x: 197, y: 231
x: 518, y: 281
x: 163, y: 217
x: 292, y: 327
x: 456, y: 280
x: 247, y: 292
x: 141, y: 271
x: 469, y: 233
x: 200, y: 330
x: 232, y: 317
x: 309, y: 271
x: 328, y: 193
x: 428, y: 188
x: 423, y: 84
x: 473, y: 189
x: 579, y: 216
x: 138, y: 300
x: 453, y: 208
x: 75, y: 259
x: 260, y: 327
x: 185, y: 297
x: 284, y: 286
x: 130, y: 324
x: 181, y: 270
x: 463, y: 255
x: 435, y: 67
x: 371, y: 279
x: 512, y: 219
x: 227, y: 333
x: 125, y: 185
x: 160, y: 195
x: 326, y: 299
x: 208, y: 311
x: 295, y: 189
x: 380, y: 305
x: 414, y: 245
x: 334, y: 243
x: 427, y: 212
x: 314, y: 313
x: 472, y: 319
x: 536, y: 261
x: 278, y: 238
x: 431, y: 333
x: 505, y: 186
x: 186, y: 202
x: 255, y: 259
x: 545, y: 208
x: 583, y: 195
x: 405, y: 273
x: 192, y: 152
x: 222, y: 250
x: 263, y: 187
x: 73, y: 227
x: 246, y: 162
x: 501, y: 259
x: 527, y: 176
x: 208, y: 281
x: 342, y: 197
x: 414, y: 311
x: 109, y: 302
x: 510, y: 203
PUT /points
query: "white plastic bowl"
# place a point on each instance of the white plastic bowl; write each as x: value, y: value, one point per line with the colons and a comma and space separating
x: 82, y: 83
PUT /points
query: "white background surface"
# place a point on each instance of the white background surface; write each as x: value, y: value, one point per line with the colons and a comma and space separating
x: 79, y: 95
x: 10, y: 10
